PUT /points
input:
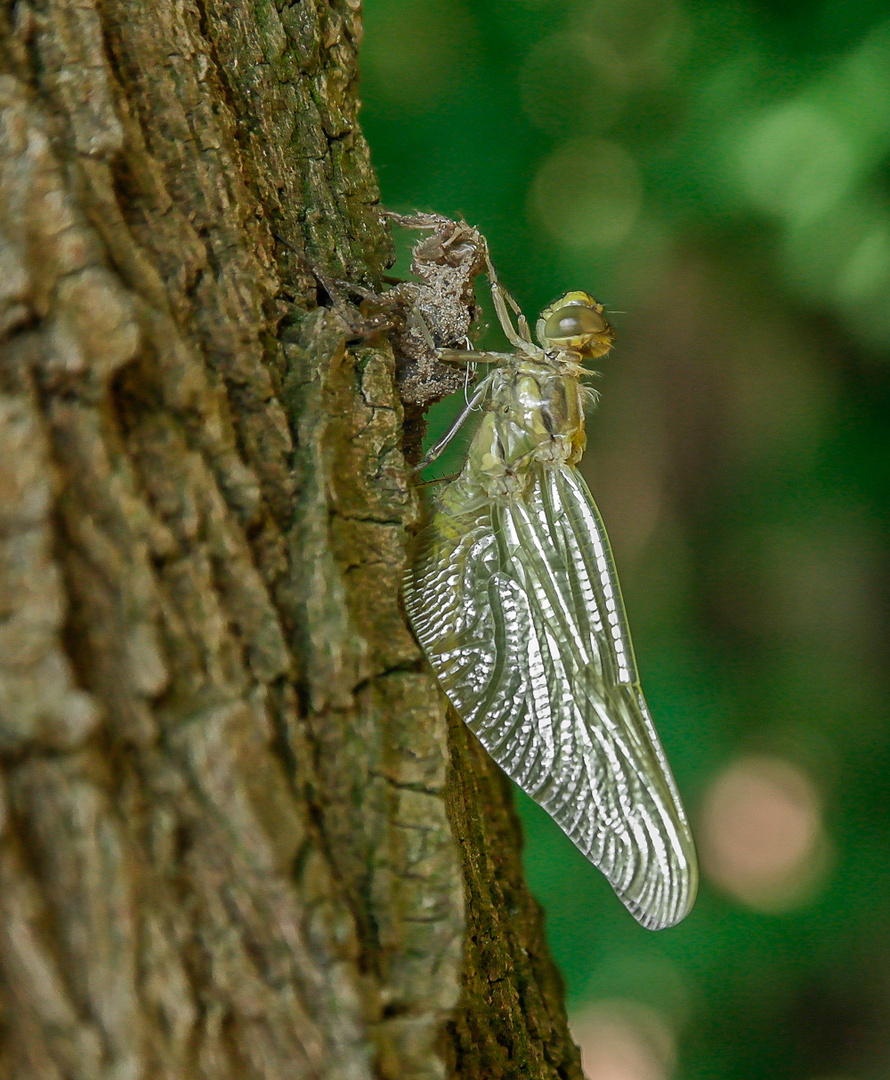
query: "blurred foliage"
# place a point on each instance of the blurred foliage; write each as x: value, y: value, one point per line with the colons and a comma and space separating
x: 718, y: 174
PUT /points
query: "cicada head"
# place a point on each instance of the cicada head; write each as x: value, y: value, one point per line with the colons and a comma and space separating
x: 575, y: 322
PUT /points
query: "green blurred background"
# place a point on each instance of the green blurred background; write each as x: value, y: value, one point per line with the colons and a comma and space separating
x: 717, y: 174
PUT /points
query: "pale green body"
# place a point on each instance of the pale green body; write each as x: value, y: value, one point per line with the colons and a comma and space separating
x: 512, y: 593
x: 534, y: 414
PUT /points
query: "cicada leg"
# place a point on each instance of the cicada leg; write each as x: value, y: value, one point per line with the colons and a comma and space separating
x: 502, y: 299
x: 472, y: 406
x: 472, y: 356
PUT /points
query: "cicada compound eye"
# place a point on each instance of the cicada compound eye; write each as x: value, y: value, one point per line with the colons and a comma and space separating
x: 576, y: 321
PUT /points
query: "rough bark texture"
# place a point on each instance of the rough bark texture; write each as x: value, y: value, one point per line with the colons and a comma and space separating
x: 225, y: 850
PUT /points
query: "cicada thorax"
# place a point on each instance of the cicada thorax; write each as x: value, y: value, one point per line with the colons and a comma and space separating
x: 534, y: 415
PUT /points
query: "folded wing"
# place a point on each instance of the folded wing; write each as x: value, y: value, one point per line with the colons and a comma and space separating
x: 518, y: 609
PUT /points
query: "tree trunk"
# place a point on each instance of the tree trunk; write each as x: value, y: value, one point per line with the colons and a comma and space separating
x: 237, y: 832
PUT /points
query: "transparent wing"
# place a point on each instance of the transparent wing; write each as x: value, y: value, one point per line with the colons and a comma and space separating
x: 518, y: 609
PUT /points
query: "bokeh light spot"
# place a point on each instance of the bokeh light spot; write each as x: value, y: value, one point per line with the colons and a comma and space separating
x: 572, y: 85
x: 623, y: 1040
x: 588, y: 194
x: 649, y: 36
x: 796, y: 161
x: 867, y: 270
x: 862, y: 90
x: 761, y: 837
x: 644, y: 976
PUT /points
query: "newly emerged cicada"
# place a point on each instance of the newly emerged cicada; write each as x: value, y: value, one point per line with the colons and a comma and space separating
x: 512, y: 593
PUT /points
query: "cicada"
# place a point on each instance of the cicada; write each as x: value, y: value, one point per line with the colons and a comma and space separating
x: 512, y: 592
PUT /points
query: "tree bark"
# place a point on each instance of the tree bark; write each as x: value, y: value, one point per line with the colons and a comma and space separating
x: 237, y: 835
